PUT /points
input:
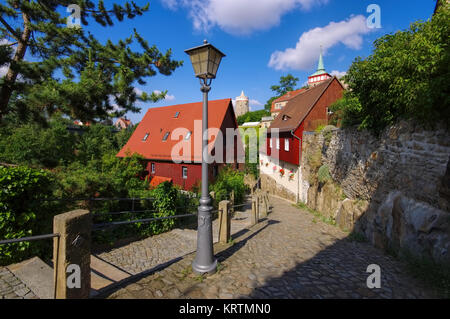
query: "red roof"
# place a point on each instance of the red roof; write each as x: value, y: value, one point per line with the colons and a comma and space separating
x: 159, y: 121
x: 156, y: 180
x: 286, y: 97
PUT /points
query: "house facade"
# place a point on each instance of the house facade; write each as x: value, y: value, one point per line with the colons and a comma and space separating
x: 281, y: 155
x: 170, y: 140
x: 123, y: 123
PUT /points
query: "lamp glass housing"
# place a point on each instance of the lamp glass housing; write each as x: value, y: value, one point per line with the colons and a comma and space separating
x: 206, y: 60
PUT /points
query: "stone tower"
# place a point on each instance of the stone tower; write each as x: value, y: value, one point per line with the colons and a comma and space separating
x: 242, y: 105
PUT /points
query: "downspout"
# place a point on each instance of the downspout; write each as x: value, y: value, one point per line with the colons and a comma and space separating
x: 299, y: 162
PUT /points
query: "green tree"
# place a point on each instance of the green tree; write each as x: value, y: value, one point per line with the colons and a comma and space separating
x: 287, y: 83
x: 254, y: 116
x: 31, y: 144
x: 68, y: 69
x: 406, y: 77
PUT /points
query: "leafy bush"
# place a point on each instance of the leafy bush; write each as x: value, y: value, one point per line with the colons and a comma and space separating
x: 323, y: 174
x: 254, y: 116
x: 24, y: 212
x: 33, y: 145
x: 227, y: 181
x: 406, y: 77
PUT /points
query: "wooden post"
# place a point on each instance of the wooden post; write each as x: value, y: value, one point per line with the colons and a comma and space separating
x: 232, y: 202
x: 254, y: 218
x: 224, y: 222
x: 72, y: 255
x: 266, y: 197
x: 262, y: 206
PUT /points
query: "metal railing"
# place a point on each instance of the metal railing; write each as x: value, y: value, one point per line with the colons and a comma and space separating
x: 35, y: 238
x: 31, y: 238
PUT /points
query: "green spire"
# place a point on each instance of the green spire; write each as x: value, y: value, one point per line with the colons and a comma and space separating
x: 320, y: 66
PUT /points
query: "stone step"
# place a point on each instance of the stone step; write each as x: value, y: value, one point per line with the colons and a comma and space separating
x: 36, y: 275
x: 103, y: 274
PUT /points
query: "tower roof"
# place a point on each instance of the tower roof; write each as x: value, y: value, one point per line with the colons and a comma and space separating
x: 242, y: 97
x: 320, y: 66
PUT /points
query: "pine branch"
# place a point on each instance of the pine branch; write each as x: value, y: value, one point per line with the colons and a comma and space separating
x: 10, y: 29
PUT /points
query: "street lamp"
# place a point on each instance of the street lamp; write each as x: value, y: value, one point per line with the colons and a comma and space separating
x: 205, y: 59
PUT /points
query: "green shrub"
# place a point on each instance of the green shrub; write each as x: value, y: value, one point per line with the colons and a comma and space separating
x: 227, y: 181
x: 323, y: 174
x: 23, y: 212
x: 406, y: 77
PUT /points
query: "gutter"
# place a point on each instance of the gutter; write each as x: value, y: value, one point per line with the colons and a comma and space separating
x: 299, y: 162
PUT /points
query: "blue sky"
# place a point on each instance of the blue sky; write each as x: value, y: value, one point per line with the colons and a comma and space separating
x: 251, y: 32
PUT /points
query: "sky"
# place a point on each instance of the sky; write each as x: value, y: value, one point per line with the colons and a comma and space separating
x: 262, y: 39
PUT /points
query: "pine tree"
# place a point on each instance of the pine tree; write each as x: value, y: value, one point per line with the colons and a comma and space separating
x: 68, y: 70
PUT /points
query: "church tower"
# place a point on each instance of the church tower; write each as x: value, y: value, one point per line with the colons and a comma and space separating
x: 242, y: 105
x: 320, y: 75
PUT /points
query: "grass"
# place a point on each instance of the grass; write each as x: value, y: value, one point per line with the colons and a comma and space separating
x: 317, y: 215
x: 357, y: 237
x: 435, y: 276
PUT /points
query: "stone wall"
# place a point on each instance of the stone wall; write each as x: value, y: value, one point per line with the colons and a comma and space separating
x: 394, y: 189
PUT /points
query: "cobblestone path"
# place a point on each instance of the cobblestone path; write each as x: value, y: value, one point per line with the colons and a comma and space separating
x: 12, y: 287
x: 154, y: 251
x: 288, y: 255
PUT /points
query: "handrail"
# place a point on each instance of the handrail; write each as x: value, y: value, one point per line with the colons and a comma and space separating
x: 145, y: 220
x: 31, y: 238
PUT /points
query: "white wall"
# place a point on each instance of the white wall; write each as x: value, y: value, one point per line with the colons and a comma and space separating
x: 291, y: 185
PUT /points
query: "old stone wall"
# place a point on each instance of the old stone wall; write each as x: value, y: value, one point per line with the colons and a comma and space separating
x: 394, y: 189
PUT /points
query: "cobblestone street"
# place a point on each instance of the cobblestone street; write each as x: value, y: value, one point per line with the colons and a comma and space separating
x: 287, y: 255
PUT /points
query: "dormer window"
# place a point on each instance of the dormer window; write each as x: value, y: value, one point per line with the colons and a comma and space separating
x: 177, y: 114
x: 166, y: 136
x: 145, y: 137
x: 188, y: 136
x: 286, y: 117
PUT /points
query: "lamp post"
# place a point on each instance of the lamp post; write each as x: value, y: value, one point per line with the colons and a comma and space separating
x: 205, y: 59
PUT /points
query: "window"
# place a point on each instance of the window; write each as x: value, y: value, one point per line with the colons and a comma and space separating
x: 177, y: 114
x: 270, y: 143
x: 166, y: 136
x: 188, y: 135
x: 184, y: 172
x: 153, y: 168
x: 286, y: 144
x: 278, y: 143
x: 145, y: 137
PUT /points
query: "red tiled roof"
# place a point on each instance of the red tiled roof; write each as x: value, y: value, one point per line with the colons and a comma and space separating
x: 297, y: 108
x: 158, y: 121
x: 156, y: 180
x: 286, y: 97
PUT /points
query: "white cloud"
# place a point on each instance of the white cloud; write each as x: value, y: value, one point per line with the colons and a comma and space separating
x: 254, y: 102
x: 303, y: 57
x: 3, y: 70
x: 338, y: 74
x: 239, y: 16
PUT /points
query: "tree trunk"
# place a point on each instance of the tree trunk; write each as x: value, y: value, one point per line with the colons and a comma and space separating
x: 11, y: 76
